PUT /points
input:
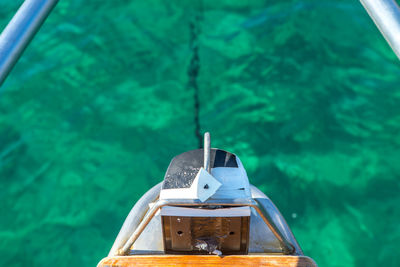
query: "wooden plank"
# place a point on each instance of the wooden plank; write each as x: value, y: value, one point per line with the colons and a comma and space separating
x: 206, y: 260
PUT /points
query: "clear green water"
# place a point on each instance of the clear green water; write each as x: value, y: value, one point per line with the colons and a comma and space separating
x: 306, y: 93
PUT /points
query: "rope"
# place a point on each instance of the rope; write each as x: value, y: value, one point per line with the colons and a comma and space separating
x: 193, y: 72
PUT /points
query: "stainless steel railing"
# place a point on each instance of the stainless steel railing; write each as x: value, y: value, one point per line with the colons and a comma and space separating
x: 20, y: 31
x: 386, y: 15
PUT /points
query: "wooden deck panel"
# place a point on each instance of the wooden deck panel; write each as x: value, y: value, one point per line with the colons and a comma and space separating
x: 202, y: 260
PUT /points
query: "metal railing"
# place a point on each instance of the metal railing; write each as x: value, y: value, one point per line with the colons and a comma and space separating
x: 20, y: 31
x: 386, y: 15
x: 287, y: 247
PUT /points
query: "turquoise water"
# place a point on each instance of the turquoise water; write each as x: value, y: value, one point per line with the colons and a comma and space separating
x: 306, y: 93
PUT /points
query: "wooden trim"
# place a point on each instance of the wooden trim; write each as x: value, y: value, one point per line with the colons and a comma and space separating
x: 206, y: 260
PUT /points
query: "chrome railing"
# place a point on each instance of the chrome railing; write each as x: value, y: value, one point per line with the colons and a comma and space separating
x: 386, y: 15
x: 20, y: 31
x: 287, y: 247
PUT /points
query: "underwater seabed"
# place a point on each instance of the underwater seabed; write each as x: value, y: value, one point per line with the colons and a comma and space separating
x: 102, y: 100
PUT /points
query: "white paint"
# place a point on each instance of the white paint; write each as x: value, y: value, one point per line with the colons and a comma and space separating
x: 235, y: 183
x: 223, y: 183
x: 195, y: 212
x: 202, y: 188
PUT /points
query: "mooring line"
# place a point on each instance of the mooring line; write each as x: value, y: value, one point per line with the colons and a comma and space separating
x: 193, y: 72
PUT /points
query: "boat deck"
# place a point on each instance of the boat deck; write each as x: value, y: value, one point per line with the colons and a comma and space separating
x: 206, y: 260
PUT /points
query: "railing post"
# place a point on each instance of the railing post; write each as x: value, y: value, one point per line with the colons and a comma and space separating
x: 20, y: 31
x: 386, y: 15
